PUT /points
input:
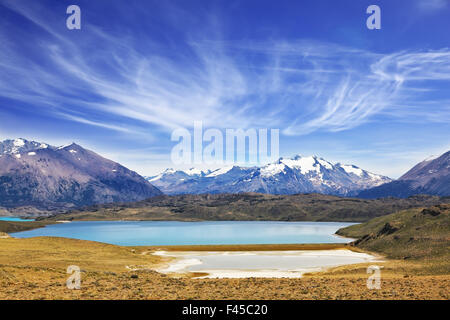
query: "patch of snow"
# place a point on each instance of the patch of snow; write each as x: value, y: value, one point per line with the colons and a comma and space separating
x: 272, y: 169
x: 43, y: 146
x: 17, y: 155
x: 430, y: 158
x: 219, y: 171
x: 193, y: 172
x: 352, y: 169
x: 72, y: 151
x: 19, y: 142
x: 159, y: 176
x: 374, y: 176
x: 155, y: 178
x: 325, y: 163
x: 304, y: 164
x: 31, y: 153
x: 114, y: 170
x: 317, y: 178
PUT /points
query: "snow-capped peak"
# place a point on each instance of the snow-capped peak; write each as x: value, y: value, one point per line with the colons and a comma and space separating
x: 303, y: 164
x: 306, y: 164
x: 19, y: 145
x: 315, y: 167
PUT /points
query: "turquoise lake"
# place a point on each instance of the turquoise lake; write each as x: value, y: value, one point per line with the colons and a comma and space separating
x: 14, y: 219
x: 134, y: 233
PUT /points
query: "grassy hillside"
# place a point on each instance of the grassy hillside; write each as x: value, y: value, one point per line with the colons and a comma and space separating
x: 250, y: 206
x: 414, y: 234
x: 17, y: 226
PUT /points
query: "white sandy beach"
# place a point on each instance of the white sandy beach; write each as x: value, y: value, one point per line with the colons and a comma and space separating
x: 263, y: 264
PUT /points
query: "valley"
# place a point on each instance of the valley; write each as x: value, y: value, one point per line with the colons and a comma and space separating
x: 35, y: 268
x: 248, y: 207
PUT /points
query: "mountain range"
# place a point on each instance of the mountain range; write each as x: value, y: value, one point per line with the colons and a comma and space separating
x: 431, y: 176
x: 43, y: 176
x: 285, y: 176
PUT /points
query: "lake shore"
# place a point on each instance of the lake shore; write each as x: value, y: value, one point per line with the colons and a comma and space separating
x: 153, y: 233
x: 258, y: 264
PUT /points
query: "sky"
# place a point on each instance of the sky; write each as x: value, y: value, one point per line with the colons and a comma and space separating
x: 138, y: 70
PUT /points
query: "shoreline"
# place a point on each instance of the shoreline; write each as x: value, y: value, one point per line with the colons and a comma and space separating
x: 258, y: 264
x: 252, y: 247
x: 333, y: 241
x: 19, y: 226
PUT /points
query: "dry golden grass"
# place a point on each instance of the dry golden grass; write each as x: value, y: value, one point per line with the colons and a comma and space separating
x: 58, y: 253
x: 36, y: 269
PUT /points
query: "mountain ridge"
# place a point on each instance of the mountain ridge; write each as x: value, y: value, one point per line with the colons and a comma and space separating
x: 284, y: 176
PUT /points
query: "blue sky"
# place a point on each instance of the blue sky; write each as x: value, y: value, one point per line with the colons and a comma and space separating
x: 137, y: 70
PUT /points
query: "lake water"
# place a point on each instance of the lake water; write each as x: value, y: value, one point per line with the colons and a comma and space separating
x: 14, y: 219
x: 131, y: 233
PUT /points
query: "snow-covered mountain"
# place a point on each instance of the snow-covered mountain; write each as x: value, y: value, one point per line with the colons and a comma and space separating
x: 285, y: 176
x: 18, y: 146
x: 40, y: 175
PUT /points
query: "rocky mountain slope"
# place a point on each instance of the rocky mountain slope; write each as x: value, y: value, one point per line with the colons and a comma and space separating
x: 39, y: 175
x: 431, y: 176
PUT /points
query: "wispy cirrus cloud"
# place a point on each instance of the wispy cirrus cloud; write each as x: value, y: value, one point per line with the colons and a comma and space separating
x: 384, y: 85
